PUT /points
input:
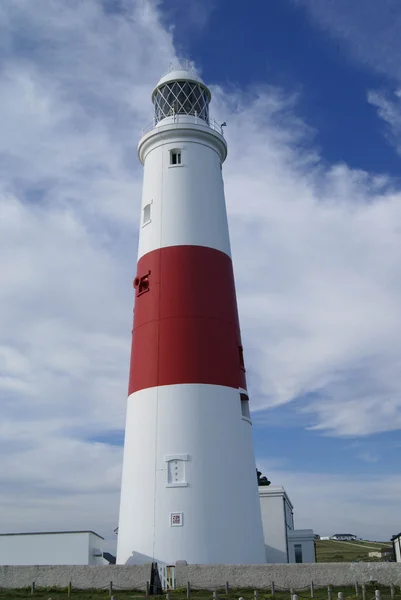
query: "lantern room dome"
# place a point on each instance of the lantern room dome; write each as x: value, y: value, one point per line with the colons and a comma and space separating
x: 181, y: 91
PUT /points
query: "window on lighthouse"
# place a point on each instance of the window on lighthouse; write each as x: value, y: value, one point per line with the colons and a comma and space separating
x: 175, y: 157
x: 176, y: 470
x: 146, y: 214
x: 245, y: 407
x: 241, y: 357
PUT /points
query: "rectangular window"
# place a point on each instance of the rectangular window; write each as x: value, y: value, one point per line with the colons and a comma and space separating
x: 245, y: 407
x: 146, y: 214
x: 241, y: 357
x: 176, y: 470
x: 298, y: 553
x: 175, y: 157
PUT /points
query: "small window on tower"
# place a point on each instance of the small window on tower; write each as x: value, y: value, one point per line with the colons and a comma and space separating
x: 176, y: 476
x: 245, y: 412
x: 146, y: 214
x: 241, y: 357
x: 176, y: 471
x: 175, y: 157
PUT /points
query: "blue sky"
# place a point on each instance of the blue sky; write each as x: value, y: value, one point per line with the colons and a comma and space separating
x: 283, y: 47
x: 311, y: 92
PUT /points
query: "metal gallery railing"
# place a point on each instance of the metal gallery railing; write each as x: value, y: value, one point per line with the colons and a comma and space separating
x: 182, y: 118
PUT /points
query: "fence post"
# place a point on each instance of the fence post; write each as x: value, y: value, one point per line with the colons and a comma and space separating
x: 377, y: 594
x: 69, y: 587
x: 392, y: 590
x: 168, y: 596
x: 147, y: 589
x: 32, y: 588
x: 227, y: 588
x: 340, y: 596
x: 312, y: 590
x: 256, y: 595
x: 356, y: 589
x: 272, y: 588
x: 292, y: 593
x: 215, y: 596
x: 364, y: 591
x: 188, y: 590
x: 329, y: 592
x: 110, y: 589
x: 294, y: 597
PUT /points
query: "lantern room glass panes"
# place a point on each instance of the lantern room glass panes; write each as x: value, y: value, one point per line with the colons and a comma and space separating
x: 181, y: 98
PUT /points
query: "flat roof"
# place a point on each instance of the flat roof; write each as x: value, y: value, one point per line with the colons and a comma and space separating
x: 53, y: 533
x: 274, y: 490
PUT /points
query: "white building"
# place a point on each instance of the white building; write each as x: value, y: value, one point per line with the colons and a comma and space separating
x: 283, y: 543
x: 396, y: 539
x: 381, y: 553
x: 344, y: 537
x: 52, y: 548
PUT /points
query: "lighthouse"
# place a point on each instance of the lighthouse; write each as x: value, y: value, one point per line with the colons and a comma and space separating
x: 189, y: 486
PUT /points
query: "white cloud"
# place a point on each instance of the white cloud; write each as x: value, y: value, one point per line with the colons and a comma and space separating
x: 368, y: 31
x: 76, y: 85
x: 389, y: 109
x: 191, y: 21
x: 316, y: 250
x: 368, y: 457
x: 317, y: 255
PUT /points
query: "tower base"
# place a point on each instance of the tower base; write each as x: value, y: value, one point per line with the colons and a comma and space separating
x: 189, y: 487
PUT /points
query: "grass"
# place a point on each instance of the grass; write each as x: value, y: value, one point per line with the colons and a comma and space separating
x: 335, y: 551
x: 303, y: 594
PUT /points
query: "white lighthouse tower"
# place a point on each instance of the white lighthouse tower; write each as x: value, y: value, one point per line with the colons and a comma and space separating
x: 189, y: 486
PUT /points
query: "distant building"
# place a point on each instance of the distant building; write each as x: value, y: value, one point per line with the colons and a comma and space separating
x: 283, y: 543
x: 345, y: 537
x: 385, y: 552
x: 53, y: 548
x: 325, y: 538
x: 396, y: 539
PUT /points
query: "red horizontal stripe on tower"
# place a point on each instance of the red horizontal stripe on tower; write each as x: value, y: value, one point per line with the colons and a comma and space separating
x: 186, y: 327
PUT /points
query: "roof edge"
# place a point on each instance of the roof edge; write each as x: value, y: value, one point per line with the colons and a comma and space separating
x: 52, y: 533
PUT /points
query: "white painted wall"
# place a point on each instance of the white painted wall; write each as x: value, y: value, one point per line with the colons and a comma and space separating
x: 397, y: 545
x: 96, y: 546
x: 274, y: 523
x: 70, y: 548
x: 221, y: 521
x: 304, y: 538
x: 278, y: 528
x: 187, y: 203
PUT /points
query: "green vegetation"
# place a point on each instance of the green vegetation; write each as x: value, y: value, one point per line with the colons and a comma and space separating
x: 335, y: 551
x: 280, y: 594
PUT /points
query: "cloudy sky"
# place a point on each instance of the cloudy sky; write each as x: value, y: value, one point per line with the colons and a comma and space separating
x: 311, y: 93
